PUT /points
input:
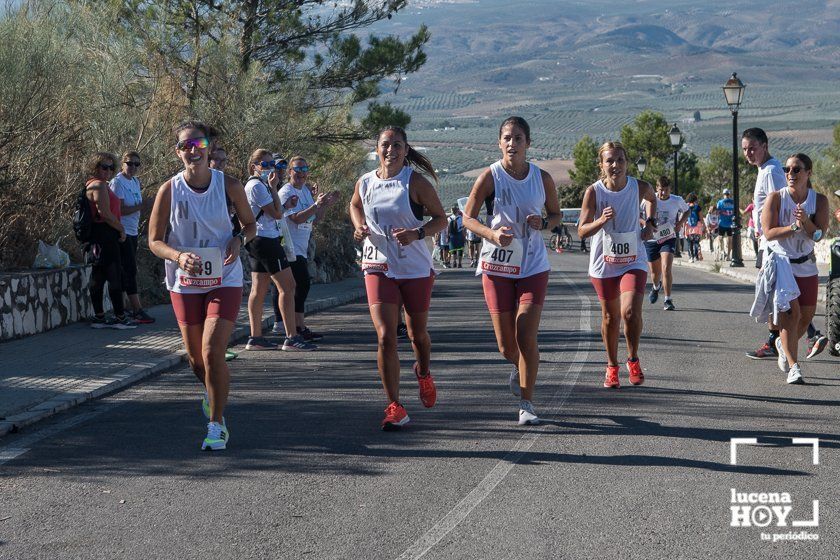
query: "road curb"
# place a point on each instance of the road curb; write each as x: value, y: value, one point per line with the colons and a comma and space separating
x: 138, y: 372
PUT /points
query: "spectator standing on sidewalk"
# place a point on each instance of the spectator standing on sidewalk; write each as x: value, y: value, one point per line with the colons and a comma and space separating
x: 309, y: 207
x: 267, y: 257
x: 126, y: 186
x: 103, y: 248
x: 751, y: 230
x: 695, y: 228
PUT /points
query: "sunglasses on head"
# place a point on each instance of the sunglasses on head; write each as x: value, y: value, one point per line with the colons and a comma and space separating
x: 280, y: 164
x: 107, y: 167
x: 189, y: 143
x: 301, y: 168
x: 132, y: 163
x: 792, y: 170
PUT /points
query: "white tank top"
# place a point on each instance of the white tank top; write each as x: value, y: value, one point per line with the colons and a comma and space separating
x: 800, y: 243
x: 621, y: 236
x: 513, y: 202
x: 200, y: 220
x: 387, y: 205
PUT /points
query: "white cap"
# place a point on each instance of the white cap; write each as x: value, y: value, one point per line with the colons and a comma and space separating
x: 726, y: 191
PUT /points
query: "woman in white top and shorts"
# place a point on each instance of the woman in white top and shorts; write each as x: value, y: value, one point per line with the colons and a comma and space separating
x: 203, y: 270
x: 513, y: 261
x: 617, y: 263
x: 793, y: 220
x: 266, y: 255
x: 387, y: 211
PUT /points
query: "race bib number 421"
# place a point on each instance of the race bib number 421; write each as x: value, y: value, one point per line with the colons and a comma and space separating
x: 620, y: 248
x: 505, y: 260
x: 373, y: 260
x: 210, y: 275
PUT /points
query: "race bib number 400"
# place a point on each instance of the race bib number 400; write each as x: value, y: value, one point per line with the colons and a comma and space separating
x: 505, y: 260
x: 663, y: 233
x: 620, y: 248
x: 373, y: 260
x: 210, y: 275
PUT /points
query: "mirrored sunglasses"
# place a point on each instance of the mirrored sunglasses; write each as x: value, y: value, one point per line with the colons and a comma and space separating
x: 189, y: 143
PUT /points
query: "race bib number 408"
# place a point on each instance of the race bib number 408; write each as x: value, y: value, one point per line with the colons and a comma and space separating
x: 210, y: 275
x: 504, y: 260
x: 620, y: 248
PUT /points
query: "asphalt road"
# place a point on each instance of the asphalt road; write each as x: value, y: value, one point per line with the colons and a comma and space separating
x: 642, y: 472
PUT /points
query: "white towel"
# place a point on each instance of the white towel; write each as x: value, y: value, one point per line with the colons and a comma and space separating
x: 775, y: 288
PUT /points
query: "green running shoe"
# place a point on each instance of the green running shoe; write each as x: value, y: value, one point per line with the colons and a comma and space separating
x: 217, y: 437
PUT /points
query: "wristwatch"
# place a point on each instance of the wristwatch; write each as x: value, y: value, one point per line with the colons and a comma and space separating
x: 817, y: 235
x: 421, y: 233
x: 544, y: 223
x: 794, y: 227
x: 651, y: 221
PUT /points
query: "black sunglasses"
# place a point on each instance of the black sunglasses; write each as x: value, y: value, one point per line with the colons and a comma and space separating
x: 792, y: 170
x: 132, y: 163
x: 109, y: 167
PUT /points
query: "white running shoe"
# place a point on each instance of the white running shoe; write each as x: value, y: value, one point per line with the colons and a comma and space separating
x: 514, y: 382
x: 782, y: 359
x: 794, y: 376
x: 278, y: 328
x: 217, y: 437
x: 527, y: 415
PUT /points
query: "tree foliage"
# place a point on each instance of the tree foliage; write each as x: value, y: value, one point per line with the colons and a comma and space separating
x: 716, y: 175
x: 584, y: 173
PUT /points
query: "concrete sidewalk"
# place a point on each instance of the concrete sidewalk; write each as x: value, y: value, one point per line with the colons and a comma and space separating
x: 47, y: 373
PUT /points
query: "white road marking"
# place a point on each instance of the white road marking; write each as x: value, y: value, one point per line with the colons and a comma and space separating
x: 463, y: 508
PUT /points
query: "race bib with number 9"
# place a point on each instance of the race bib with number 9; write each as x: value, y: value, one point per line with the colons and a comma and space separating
x: 373, y: 260
x: 620, y: 248
x: 210, y: 275
x: 505, y: 260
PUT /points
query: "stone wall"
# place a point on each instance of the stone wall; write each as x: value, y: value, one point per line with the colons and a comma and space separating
x: 39, y: 300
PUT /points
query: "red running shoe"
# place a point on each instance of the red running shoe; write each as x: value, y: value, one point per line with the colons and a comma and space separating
x: 635, y: 369
x: 395, y: 417
x: 765, y: 352
x: 428, y: 393
x: 611, y: 380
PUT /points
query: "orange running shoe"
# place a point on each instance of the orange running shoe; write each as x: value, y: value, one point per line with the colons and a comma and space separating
x: 428, y: 393
x: 635, y: 369
x: 611, y: 380
x: 395, y: 417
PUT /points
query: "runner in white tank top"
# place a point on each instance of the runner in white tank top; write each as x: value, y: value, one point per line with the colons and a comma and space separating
x: 513, y: 261
x: 793, y: 219
x: 387, y: 211
x: 617, y: 266
x: 203, y: 271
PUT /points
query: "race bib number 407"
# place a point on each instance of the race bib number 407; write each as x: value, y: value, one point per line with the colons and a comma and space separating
x: 620, y: 248
x: 504, y: 260
x: 210, y: 275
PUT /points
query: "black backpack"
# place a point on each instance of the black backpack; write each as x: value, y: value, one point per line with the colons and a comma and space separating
x: 82, y: 217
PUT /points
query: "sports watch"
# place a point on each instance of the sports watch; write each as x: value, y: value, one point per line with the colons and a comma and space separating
x: 421, y: 233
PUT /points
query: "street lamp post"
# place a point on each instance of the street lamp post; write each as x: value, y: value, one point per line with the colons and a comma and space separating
x: 641, y: 165
x: 675, y: 136
x: 733, y: 90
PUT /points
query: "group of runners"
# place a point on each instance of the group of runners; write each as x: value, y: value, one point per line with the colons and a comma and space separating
x: 395, y: 207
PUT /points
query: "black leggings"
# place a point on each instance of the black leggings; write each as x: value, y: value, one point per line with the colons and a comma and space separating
x: 128, y: 258
x: 104, y: 254
x: 300, y: 270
